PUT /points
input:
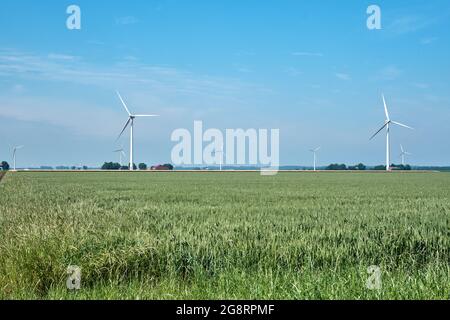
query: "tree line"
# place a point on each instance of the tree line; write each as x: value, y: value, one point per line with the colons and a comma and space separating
x: 362, y: 167
x: 141, y: 166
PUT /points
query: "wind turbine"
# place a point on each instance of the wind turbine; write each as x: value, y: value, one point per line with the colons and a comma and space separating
x: 221, y: 156
x: 14, y: 156
x: 403, y: 154
x: 386, y: 125
x: 314, y: 151
x: 130, y: 122
x: 121, y: 153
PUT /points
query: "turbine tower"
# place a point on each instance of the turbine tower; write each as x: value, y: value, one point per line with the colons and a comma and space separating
x: 403, y: 154
x: 130, y: 122
x: 220, y: 151
x: 14, y: 156
x: 387, y: 124
x: 314, y: 151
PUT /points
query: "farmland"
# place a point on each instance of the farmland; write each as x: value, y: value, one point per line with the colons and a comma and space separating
x: 225, y: 235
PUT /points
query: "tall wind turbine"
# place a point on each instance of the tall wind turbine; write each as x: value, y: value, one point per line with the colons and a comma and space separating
x: 14, y: 156
x: 121, y: 153
x: 314, y: 151
x: 130, y: 122
x: 403, y: 154
x: 387, y: 124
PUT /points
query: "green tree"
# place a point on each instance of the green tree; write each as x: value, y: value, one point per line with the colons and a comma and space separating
x: 142, y: 166
x: 111, y: 166
x: 336, y: 166
x: 4, y: 166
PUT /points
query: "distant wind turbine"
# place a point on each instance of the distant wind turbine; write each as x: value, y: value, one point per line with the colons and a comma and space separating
x: 314, y: 151
x: 14, y: 156
x: 403, y: 154
x: 121, y: 153
x: 386, y: 125
x: 221, y: 156
x: 130, y: 122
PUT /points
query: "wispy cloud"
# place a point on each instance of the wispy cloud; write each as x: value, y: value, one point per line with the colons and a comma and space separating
x: 164, y: 87
x: 127, y: 20
x: 61, y: 67
x: 307, y: 54
x: 421, y: 85
x: 429, y: 40
x: 343, y: 76
x: 242, y: 68
x: 244, y: 54
x: 294, y: 72
x: 96, y: 42
x: 18, y: 88
x: 389, y: 73
x: 410, y: 23
x: 56, y: 56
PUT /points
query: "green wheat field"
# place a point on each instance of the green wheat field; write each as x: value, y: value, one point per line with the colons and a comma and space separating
x: 225, y: 235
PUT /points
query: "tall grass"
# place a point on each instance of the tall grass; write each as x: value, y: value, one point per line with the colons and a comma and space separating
x: 190, y: 235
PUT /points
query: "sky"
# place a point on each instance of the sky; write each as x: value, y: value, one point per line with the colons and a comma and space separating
x: 311, y: 69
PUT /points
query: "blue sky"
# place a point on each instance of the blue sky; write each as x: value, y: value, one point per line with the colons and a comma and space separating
x: 309, y: 68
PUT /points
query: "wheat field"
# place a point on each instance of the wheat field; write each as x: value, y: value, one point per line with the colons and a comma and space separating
x: 225, y: 235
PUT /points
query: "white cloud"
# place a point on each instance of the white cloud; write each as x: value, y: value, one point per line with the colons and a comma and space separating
x: 127, y: 20
x: 56, y: 56
x: 409, y: 24
x: 343, y: 76
x: 421, y: 85
x: 307, y: 54
x: 389, y: 73
x: 294, y: 72
x: 18, y: 88
x: 244, y: 54
x: 59, y: 68
x: 429, y: 40
x: 163, y: 88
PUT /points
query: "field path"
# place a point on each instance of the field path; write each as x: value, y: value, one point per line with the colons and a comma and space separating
x: 2, y: 174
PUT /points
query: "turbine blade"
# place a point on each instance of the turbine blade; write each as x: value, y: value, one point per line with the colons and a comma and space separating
x: 402, y: 125
x: 379, y: 131
x: 401, y: 148
x: 123, y: 103
x: 386, y: 109
x: 145, y: 115
x: 126, y: 125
